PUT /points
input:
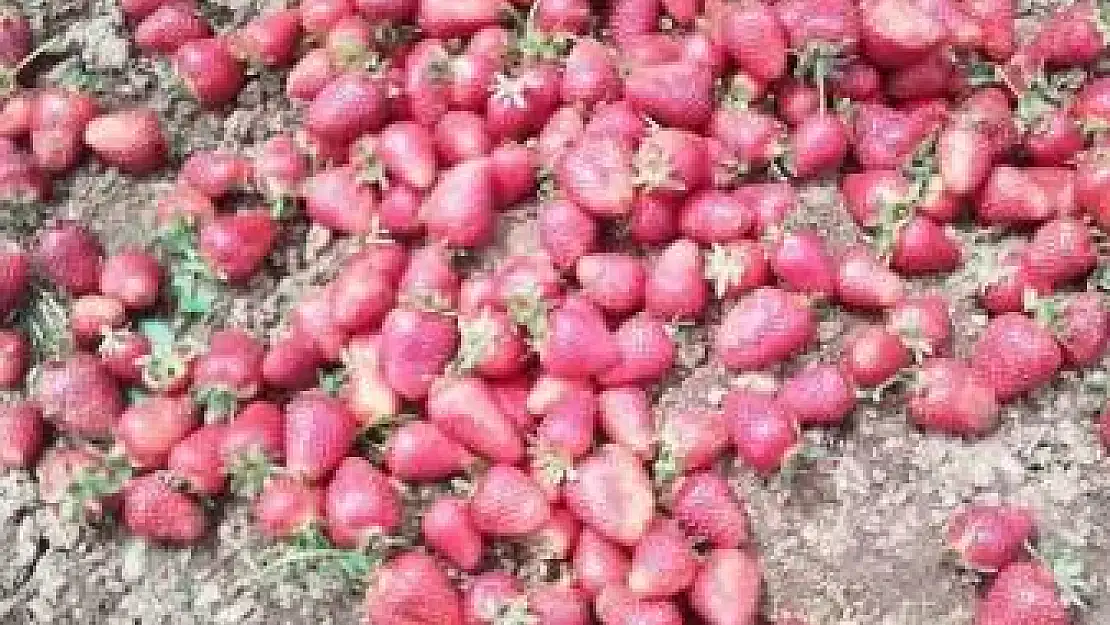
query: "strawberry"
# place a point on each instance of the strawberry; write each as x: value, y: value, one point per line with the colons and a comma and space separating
x: 1014, y: 279
x: 466, y: 411
x: 15, y: 275
x: 874, y: 354
x: 663, y: 563
x: 1071, y: 36
x: 862, y: 282
x: 287, y: 506
x: 1055, y: 140
x: 131, y: 140
x: 169, y: 27
x: 558, y: 604
x: 291, y: 362
x: 964, y: 159
x: 335, y: 198
x: 448, y: 527
x: 612, y: 494
x: 756, y: 40
x: 232, y: 364
x: 675, y: 94
x: 209, y: 70
x: 412, y: 588
x: 630, y: 18
x: 619, y: 606
x: 490, y: 594
x: 647, y: 353
x: 1082, y: 329
x: 569, y: 409
x: 361, y: 297
x: 1061, y: 251
x: 407, y: 151
x: 310, y: 74
x: 123, y: 353
x: 727, y: 589
x: 359, y: 503
x: 737, y: 268
x: 133, y: 277
x: 351, y: 105
x: 198, y: 460
x: 69, y: 256
x: 21, y: 178
x: 707, y: 508
x: 883, y: 136
x: 1092, y: 103
x: 1092, y: 186
x: 577, y: 342
x: 279, y: 167
x: 764, y: 429
x: 827, y: 21
x: 93, y: 315
x: 513, y: 172
x: 819, y: 395
x: 990, y: 538
x: 472, y: 75
x: 215, y: 173
x: 79, y: 395
x: 523, y: 101
x: 269, y: 39
x: 1016, y: 355
x: 15, y: 355
x: 319, y: 431
x: 767, y: 326
x: 563, y: 16
x: 258, y: 429
x: 450, y: 18
x: 184, y: 205
x: 869, y: 192
x: 507, y: 502
x: 716, y: 217
x: 1026, y: 196
x: 896, y: 33
x: 802, y: 263
x: 653, y: 220
x: 154, y: 510
x: 922, y: 247
x: 690, y: 440
x: 676, y: 286
x: 566, y: 232
x: 671, y: 163
x: 399, y: 211
x: 23, y: 435
x: 597, y: 175
x: 819, y: 144
x: 460, y: 209
x: 236, y: 245
x: 598, y: 563
x: 151, y: 427
x: 1023, y: 592
x: 366, y: 392
x: 626, y: 419
x: 15, y: 116
x: 751, y: 136
x: 952, y: 397
x: 590, y: 74
x: 420, y: 451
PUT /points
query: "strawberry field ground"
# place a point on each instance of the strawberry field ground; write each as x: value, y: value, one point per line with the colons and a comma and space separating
x: 853, y: 536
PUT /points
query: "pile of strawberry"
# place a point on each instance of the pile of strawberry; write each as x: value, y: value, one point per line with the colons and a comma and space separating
x: 667, y: 148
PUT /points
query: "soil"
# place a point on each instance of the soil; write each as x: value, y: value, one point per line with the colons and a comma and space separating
x: 853, y: 537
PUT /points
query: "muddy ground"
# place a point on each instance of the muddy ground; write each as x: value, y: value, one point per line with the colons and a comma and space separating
x: 853, y: 539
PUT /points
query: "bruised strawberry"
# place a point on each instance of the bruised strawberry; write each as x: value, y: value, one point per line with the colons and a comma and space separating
x: 215, y: 173
x: 15, y: 355
x: 647, y: 353
x: 21, y: 178
x: 209, y: 71
x: 1016, y: 355
x: 598, y: 563
x: 590, y: 74
x: 466, y: 411
x: 597, y: 175
x: 151, y: 427
x: 22, y: 435
x: 707, y: 508
x: 862, y: 282
x: 1082, y: 327
x: 407, y: 151
x: 802, y: 263
x: 507, y: 502
x: 420, y: 451
x: 577, y: 343
x: 690, y: 439
x: 131, y: 140
x: 287, y: 506
x: 489, y: 594
x: 989, y: 538
x: 153, y: 509
x: 716, y: 217
x: 1071, y: 36
x: 567, y: 233
x: 964, y: 159
x: 885, y: 137
x: 448, y: 527
x: 124, y: 353
x: 767, y: 326
x: 874, y: 354
x: 90, y: 316
x: 80, y: 396
x: 415, y: 348
x: 626, y: 419
x: 727, y: 589
x: 764, y: 429
x: 412, y: 588
x: 676, y: 286
x: 954, y: 398
x: 197, y: 459
x: 1023, y: 592
x: 819, y: 395
x: 319, y: 431
x: 460, y: 208
x: 617, y: 605
x: 69, y: 256
x: 558, y: 604
x: 611, y: 493
x: 367, y: 393
x: 360, y: 502
x: 351, y: 105
x: 169, y: 27
x: 677, y: 94
x: 237, y: 244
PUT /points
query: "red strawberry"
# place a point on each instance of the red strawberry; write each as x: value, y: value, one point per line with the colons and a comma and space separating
x: 522, y: 102
x: 617, y: 605
x: 566, y: 232
x: 21, y: 435
x: 466, y: 411
x: 569, y: 409
x: 751, y: 136
x: 507, y: 502
x: 597, y: 175
x: 123, y: 354
x: 676, y: 286
x: 513, y: 171
x: 152, y: 509
x: 1071, y: 36
x: 198, y: 460
x: 399, y: 211
x: 453, y: 18
x: 69, y: 255
x: 335, y: 198
x: 801, y: 261
x: 990, y: 538
x: 131, y: 140
x: 647, y: 353
x: 15, y: 354
x: 1083, y: 329
x: 716, y: 217
x: 291, y: 363
x: 674, y: 94
x: 862, y: 282
x: 874, y: 354
x: 1061, y: 251
x: 818, y: 145
x: 215, y: 173
x: 953, y: 397
x: 611, y: 492
x: 269, y: 39
x: 765, y: 327
x: 169, y: 27
x: 577, y: 342
x: 885, y: 137
x: 629, y: 18
x: 755, y: 38
x: 386, y: 10
x: 558, y: 604
x: 472, y: 75
x: 1016, y: 355
x: 1023, y: 593
x: 626, y: 419
x: 79, y: 395
x: 447, y: 527
x: 460, y: 209
x: 869, y: 192
x: 319, y: 431
x: 923, y: 246
x: 1055, y: 140
x: 1092, y: 186
x: 663, y: 563
x: 689, y: 440
x: 1014, y: 279
x: 420, y: 451
x: 360, y: 502
x: 590, y: 74
x: 819, y: 395
x: 563, y: 16
x: 286, y: 506
x: 258, y: 430
x: 896, y: 33
x: 598, y: 563
x: 737, y: 268
x: 237, y: 244
x: 407, y: 151
x: 706, y: 506
x: 490, y: 594
x: 15, y: 116
x: 133, y: 277
x: 15, y: 275
x: 1021, y: 197
x: 653, y: 220
x: 308, y: 77
x: 764, y: 429
x: 412, y: 588
x: 209, y: 71
x: 232, y: 364
x: 151, y: 427
x: 727, y: 589
x: 351, y: 105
